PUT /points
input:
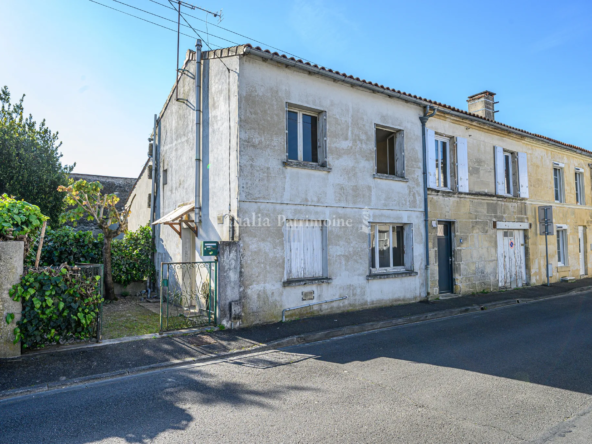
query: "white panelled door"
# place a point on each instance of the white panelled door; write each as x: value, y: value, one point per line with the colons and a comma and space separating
x: 511, y: 258
x: 582, y: 251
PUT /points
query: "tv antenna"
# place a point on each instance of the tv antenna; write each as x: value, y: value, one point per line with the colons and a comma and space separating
x: 181, y: 3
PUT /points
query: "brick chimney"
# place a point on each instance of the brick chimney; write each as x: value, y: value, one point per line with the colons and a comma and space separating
x: 482, y: 104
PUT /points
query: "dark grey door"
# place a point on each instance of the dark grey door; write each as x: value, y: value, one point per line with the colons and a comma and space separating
x: 444, y: 258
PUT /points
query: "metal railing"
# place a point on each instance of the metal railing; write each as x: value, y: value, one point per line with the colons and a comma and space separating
x: 188, y: 295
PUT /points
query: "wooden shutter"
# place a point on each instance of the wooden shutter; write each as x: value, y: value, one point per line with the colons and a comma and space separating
x: 462, y: 163
x: 408, y: 246
x: 522, y: 175
x: 322, y: 138
x: 431, y: 156
x: 499, y: 170
x: 400, y: 154
x: 303, y: 249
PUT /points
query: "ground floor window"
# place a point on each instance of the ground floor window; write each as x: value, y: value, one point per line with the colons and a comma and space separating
x: 305, y: 244
x: 561, y: 247
x: 390, y: 247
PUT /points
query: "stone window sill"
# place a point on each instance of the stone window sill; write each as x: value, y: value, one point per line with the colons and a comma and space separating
x: 306, y: 281
x: 561, y: 268
x: 305, y: 165
x: 390, y: 177
x: 395, y: 274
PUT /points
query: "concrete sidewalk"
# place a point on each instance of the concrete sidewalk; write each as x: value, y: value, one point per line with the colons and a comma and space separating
x: 36, y: 372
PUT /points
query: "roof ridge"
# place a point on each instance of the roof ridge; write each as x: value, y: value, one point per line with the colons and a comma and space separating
x: 206, y: 54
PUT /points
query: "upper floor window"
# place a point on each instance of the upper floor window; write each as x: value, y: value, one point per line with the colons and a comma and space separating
x: 305, y: 135
x: 442, y: 162
x: 511, y: 173
x: 580, y: 196
x: 558, y: 183
x: 390, y: 152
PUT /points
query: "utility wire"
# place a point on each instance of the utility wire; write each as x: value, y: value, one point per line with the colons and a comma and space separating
x: 140, y: 18
x: 233, y: 32
x: 169, y: 20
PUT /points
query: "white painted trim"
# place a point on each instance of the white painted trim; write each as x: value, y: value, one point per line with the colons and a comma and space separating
x: 512, y: 225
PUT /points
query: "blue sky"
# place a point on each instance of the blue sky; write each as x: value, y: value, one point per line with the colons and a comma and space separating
x: 98, y: 76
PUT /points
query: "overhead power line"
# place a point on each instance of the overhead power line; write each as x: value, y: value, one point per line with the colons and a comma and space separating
x: 169, y: 20
x: 233, y: 32
x: 143, y: 19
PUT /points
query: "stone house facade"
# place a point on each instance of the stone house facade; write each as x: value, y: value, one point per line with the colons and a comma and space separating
x: 313, y: 183
x: 484, y: 233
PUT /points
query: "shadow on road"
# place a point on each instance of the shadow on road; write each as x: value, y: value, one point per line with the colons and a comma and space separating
x: 136, y: 410
x: 547, y: 343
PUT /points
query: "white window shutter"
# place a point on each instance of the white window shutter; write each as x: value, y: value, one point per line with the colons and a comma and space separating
x: 287, y: 138
x: 400, y: 154
x: 462, y: 165
x: 408, y: 246
x: 523, y: 174
x: 499, y: 170
x: 303, y: 249
x: 322, y: 139
x: 431, y: 156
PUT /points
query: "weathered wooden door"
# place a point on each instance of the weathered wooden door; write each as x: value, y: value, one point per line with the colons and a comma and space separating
x: 511, y: 258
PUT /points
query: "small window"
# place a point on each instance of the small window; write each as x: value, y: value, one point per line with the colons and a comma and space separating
x: 388, y: 249
x: 165, y: 177
x: 305, y: 249
x: 508, y: 178
x: 149, y: 172
x: 390, y: 152
x: 558, y: 185
x: 149, y: 199
x: 305, y: 136
x: 561, y: 247
x: 442, y: 157
x: 580, y: 198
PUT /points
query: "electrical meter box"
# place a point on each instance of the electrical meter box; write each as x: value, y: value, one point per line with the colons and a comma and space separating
x: 209, y: 248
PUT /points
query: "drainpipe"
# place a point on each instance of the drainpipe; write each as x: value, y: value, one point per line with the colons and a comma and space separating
x: 153, y: 197
x: 197, y: 216
x: 423, y: 119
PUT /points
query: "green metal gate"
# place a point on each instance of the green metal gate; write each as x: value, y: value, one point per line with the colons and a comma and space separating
x: 188, y: 295
x: 90, y: 270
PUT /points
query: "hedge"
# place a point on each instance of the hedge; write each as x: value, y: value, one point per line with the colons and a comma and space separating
x: 58, y: 304
x: 130, y: 256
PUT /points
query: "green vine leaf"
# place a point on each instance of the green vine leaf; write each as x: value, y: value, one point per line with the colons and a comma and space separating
x: 9, y: 317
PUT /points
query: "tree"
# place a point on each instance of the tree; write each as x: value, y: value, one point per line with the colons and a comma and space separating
x: 86, y: 199
x: 30, y: 166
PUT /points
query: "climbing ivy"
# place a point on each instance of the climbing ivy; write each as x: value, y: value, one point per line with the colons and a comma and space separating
x: 58, y: 304
x: 19, y: 218
x: 132, y: 259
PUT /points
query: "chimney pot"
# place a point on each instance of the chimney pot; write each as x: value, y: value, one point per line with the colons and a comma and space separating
x: 483, y: 104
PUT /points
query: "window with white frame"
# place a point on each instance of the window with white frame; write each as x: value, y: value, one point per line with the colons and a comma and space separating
x: 562, y: 246
x: 305, y: 135
x: 511, y: 173
x: 390, y: 152
x: 390, y: 247
x: 580, y: 196
x: 558, y: 184
x: 305, y: 243
x: 442, y: 158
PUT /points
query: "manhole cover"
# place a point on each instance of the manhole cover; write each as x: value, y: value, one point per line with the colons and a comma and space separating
x: 199, y: 340
x: 270, y: 360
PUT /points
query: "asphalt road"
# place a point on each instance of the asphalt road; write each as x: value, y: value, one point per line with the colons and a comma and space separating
x: 522, y: 373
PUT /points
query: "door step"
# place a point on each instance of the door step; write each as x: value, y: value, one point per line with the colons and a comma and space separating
x: 568, y: 279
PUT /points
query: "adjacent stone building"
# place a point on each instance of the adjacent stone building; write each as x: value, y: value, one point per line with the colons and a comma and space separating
x: 486, y: 183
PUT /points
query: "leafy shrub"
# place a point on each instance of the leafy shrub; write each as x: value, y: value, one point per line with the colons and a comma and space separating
x: 67, y: 246
x: 59, y: 304
x: 131, y: 257
x: 18, y: 218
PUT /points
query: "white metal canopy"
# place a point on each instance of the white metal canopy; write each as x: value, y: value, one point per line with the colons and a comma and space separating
x: 176, y: 218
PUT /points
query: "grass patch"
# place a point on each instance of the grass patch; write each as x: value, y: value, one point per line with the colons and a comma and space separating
x: 121, y: 319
